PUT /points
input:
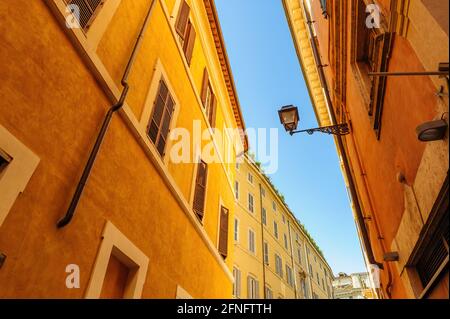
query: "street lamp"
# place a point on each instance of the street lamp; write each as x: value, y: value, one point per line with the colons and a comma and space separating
x: 289, y: 118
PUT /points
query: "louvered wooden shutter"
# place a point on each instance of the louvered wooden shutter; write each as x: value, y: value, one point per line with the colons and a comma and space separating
x: 182, y: 20
x: 162, y: 113
x: 189, y: 42
x: 88, y: 11
x: 205, y: 87
x: 212, y: 112
x: 223, y: 232
x: 200, y: 189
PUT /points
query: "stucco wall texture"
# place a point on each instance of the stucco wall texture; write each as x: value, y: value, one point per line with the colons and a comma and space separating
x: 51, y: 102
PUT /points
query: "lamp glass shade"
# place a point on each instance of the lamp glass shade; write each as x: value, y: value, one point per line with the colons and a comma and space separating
x: 289, y: 117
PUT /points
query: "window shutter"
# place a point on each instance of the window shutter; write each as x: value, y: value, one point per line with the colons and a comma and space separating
x: 159, y: 125
x: 189, y: 43
x: 205, y: 87
x: 223, y: 232
x: 212, y: 112
x: 256, y: 289
x: 182, y: 21
x: 249, y: 287
x: 200, y: 189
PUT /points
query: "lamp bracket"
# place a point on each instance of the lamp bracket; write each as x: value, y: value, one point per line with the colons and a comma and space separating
x: 338, y: 129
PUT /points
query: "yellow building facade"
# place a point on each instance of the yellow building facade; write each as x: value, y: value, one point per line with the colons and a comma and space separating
x: 273, y: 255
x: 145, y: 225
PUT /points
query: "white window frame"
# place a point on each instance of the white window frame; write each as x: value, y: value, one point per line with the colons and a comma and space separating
x: 250, y: 178
x: 253, y: 289
x: 278, y: 265
x: 98, y: 27
x: 251, y: 240
x: 264, y: 216
x: 236, y: 229
x: 266, y: 253
x: 252, y: 206
x: 237, y: 282
x: 275, y: 229
x: 17, y: 173
x: 181, y: 293
x: 114, y: 242
x: 158, y: 75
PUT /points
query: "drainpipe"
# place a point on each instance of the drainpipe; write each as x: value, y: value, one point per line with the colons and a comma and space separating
x: 113, y: 109
x: 292, y: 260
x: 348, y: 173
x: 262, y: 241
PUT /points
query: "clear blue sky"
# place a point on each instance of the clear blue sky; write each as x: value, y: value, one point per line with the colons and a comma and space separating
x: 268, y: 75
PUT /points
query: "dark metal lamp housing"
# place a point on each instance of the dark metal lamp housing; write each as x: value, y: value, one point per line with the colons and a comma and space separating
x: 289, y: 117
x: 432, y: 131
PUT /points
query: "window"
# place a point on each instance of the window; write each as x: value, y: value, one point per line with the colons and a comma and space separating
x: 274, y: 206
x: 315, y: 259
x: 5, y: 159
x: 310, y: 270
x: 269, y: 293
x: 186, y: 31
x: 209, y: 100
x: 296, y: 237
x: 251, y: 241
x: 304, y: 288
x: 278, y: 265
x: 284, y: 219
x: 318, y: 280
x: 264, y: 216
x: 285, y: 241
x: 223, y: 232
x: 263, y: 192
x: 250, y: 178
x: 253, y: 288
x: 250, y: 202
x: 200, y: 189
x: 369, y: 53
x: 266, y: 253
x: 237, y: 166
x: 17, y: 165
x: 323, y: 284
x: 236, y: 189
x: 120, y: 267
x: 430, y: 257
x: 289, y: 275
x: 275, y: 229
x: 237, y: 282
x: 299, y: 255
x: 88, y: 11
x: 158, y: 129
x: 236, y: 230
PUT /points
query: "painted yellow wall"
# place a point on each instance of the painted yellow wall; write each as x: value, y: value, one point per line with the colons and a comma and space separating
x: 247, y: 263
x: 52, y: 102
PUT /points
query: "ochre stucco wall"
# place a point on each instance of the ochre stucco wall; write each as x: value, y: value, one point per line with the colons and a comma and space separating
x: 52, y: 103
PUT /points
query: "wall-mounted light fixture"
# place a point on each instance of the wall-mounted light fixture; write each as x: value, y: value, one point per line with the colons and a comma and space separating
x: 289, y: 118
x: 432, y: 131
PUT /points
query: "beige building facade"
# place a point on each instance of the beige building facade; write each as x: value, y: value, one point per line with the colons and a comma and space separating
x: 274, y: 257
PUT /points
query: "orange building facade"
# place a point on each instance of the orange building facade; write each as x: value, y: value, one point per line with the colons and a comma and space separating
x: 145, y: 226
x: 400, y: 182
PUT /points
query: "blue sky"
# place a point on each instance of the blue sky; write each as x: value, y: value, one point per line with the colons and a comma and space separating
x: 268, y: 75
